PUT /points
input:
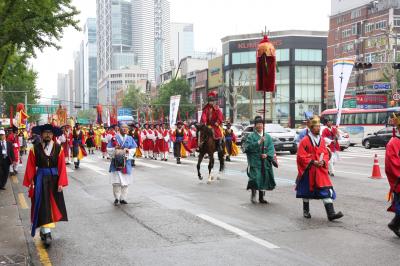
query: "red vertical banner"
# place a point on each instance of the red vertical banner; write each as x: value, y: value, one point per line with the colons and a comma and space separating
x: 187, y: 116
x: 179, y: 115
x: 138, y: 117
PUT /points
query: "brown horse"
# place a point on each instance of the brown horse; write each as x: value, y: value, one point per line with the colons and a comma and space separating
x: 209, y: 147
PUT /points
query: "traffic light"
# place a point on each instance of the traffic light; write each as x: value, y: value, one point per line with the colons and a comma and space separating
x: 396, y: 65
x: 362, y: 65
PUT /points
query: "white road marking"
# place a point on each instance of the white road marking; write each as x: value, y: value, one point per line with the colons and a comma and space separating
x: 141, y: 163
x: 237, y: 231
x: 98, y: 170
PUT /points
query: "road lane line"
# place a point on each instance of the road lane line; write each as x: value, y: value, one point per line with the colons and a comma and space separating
x: 22, y: 201
x: 41, y: 250
x: 14, y: 179
x: 98, y: 170
x: 141, y: 163
x: 237, y: 231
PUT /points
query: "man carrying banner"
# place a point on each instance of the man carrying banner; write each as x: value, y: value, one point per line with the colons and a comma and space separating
x: 230, y: 142
x: 313, y: 181
x: 78, y: 151
x: 331, y: 135
x: 148, y: 141
x: 179, y: 137
x: 392, y: 169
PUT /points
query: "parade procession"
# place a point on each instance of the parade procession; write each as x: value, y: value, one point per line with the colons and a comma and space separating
x: 262, y: 134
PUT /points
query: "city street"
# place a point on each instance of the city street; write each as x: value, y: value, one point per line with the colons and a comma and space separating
x: 174, y: 219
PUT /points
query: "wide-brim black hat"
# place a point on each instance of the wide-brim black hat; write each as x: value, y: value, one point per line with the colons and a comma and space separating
x: 258, y: 119
x: 13, y: 129
x: 179, y: 123
x: 47, y: 127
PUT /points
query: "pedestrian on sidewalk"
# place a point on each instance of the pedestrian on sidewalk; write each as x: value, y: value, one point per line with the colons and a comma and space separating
x: 6, y: 158
x: 392, y: 169
x: 46, y: 177
x: 122, y: 150
x: 313, y: 181
x: 260, y: 153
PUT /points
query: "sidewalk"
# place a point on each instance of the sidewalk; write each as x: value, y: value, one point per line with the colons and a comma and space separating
x: 13, y: 245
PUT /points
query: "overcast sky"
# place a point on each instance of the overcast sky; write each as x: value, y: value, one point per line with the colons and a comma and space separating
x: 212, y: 19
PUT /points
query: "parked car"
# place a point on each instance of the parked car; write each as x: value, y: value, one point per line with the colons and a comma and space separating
x: 344, y: 139
x: 378, y: 139
x: 283, y: 139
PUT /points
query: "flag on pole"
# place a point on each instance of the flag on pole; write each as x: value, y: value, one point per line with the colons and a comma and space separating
x: 342, y: 69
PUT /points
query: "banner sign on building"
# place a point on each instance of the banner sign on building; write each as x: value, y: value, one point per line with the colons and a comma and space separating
x: 341, y: 75
x: 173, y: 110
x: 382, y: 86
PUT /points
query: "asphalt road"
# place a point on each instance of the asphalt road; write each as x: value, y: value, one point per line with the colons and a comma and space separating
x: 174, y: 219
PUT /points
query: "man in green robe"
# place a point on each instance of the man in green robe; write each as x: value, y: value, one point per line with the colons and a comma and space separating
x: 259, y: 169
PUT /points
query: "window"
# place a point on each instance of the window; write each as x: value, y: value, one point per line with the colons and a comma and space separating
x: 369, y: 27
x: 355, y: 13
x: 354, y: 29
x: 226, y: 60
x: 396, y: 21
x: 308, y: 55
x: 282, y: 55
x: 348, y: 47
x: 380, y: 25
x: 346, y: 33
x: 244, y: 58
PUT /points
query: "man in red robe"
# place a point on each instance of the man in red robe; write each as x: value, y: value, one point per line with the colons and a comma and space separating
x: 212, y: 117
x: 13, y: 138
x: 392, y: 169
x: 313, y: 181
x: 331, y: 136
x: 46, y: 176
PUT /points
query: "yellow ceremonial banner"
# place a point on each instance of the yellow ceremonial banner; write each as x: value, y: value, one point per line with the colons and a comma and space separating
x: 138, y: 153
x: 235, y: 149
x: 80, y: 154
x: 183, y: 152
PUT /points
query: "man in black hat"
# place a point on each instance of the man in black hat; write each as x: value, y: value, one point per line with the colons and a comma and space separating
x: 230, y: 139
x: 178, y: 136
x: 46, y: 176
x: 6, y: 158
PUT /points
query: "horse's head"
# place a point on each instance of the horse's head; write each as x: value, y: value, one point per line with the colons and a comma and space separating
x: 204, y: 130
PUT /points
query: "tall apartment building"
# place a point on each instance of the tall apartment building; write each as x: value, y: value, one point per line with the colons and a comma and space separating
x: 151, y: 35
x: 367, y: 31
x: 63, y: 90
x: 182, y: 41
x: 90, y: 62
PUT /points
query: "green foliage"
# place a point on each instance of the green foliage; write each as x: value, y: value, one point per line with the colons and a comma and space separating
x: 175, y: 87
x: 87, y: 114
x: 19, y: 77
x: 134, y: 98
x: 26, y: 25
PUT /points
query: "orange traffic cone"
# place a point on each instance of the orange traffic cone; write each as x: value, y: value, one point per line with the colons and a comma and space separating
x: 376, y: 171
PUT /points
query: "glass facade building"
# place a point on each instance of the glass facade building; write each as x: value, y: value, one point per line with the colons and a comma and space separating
x: 300, y: 86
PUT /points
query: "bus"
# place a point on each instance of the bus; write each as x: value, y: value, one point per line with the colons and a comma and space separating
x: 361, y: 122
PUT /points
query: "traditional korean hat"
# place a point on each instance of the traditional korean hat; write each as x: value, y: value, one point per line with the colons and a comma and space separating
x: 179, y: 123
x: 212, y: 96
x: 315, y: 121
x: 38, y: 130
x: 258, y: 119
x: 13, y: 129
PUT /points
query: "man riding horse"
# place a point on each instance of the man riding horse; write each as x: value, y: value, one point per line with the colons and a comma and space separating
x: 212, y: 117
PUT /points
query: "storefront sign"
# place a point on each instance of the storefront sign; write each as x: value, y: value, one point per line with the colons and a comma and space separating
x: 382, y: 86
x: 253, y: 44
x: 371, y: 99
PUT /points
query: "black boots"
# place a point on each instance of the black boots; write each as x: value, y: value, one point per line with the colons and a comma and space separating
x: 46, y: 238
x: 394, y: 225
x: 253, y: 196
x: 228, y: 158
x: 306, y: 210
x: 330, y: 211
x: 178, y: 161
x: 261, y: 195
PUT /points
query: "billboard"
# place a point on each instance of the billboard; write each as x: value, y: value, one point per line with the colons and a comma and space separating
x: 215, y: 72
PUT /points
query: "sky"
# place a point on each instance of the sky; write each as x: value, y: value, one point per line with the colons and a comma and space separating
x: 212, y: 19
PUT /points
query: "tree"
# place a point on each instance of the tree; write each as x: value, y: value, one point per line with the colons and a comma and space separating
x: 26, y: 25
x: 87, y: 114
x: 134, y: 98
x: 19, y: 77
x: 175, y: 87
